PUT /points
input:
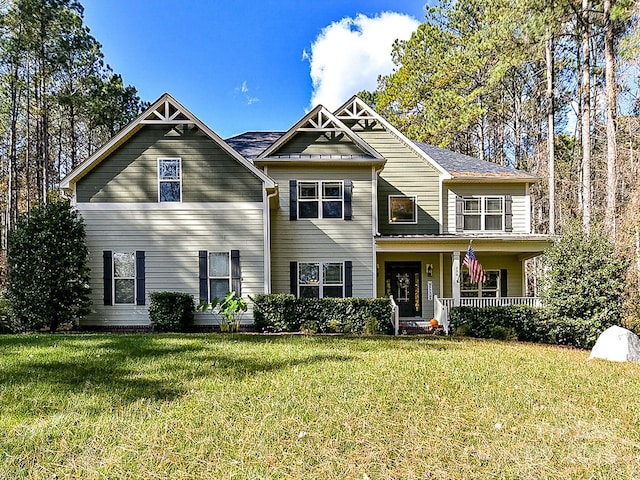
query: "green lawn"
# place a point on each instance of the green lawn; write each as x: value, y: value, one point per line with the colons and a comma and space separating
x: 267, y: 407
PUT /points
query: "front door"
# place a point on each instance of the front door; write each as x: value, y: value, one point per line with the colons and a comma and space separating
x: 403, y: 281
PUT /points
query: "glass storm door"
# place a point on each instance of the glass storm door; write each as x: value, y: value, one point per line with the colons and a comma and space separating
x: 403, y: 280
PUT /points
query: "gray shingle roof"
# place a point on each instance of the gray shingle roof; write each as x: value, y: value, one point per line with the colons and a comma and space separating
x: 252, y: 144
x: 460, y: 165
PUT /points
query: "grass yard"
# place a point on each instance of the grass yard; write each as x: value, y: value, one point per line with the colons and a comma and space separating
x: 295, y: 407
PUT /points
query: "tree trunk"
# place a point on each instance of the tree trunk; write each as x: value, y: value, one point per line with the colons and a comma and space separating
x: 610, y: 85
x: 585, y: 116
x: 551, y: 132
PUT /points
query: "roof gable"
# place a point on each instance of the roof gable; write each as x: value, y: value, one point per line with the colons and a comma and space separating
x: 166, y: 111
x: 320, y: 122
x: 356, y: 109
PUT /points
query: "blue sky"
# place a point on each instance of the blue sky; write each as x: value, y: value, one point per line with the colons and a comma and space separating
x: 246, y: 65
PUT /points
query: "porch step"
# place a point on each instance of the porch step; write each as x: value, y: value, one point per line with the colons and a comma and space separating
x: 414, y: 328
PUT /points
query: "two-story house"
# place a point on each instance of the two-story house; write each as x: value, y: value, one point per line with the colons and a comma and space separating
x: 340, y: 205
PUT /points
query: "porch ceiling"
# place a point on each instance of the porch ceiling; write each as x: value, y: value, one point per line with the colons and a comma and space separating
x: 526, y: 246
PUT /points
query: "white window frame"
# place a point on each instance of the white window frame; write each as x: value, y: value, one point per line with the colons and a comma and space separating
x: 160, y: 180
x: 209, y: 277
x: 483, y: 213
x: 320, y: 198
x: 321, y: 284
x: 479, y: 288
x: 114, y: 278
x: 415, y: 210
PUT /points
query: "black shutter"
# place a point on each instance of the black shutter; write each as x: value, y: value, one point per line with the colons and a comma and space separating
x: 508, y: 215
x: 235, y: 272
x: 107, y: 261
x: 459, y: 214
x: 503, y: 283
x: 348, y: 283
x: 293, y: 199
x: 293, y: 278
x: 203, y: 267
x: 140, y: 282
x: 348, y: 190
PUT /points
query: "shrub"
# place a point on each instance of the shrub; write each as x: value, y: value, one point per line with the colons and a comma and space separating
x: 523, y: 323
x: 7, y: 321
x: 285, y: 313
x: 584, y: 282
x: 275, y: 313
x: 171, y: 311
x: 48, y: 282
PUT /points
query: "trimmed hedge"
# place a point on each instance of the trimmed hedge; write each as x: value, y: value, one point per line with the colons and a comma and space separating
x: 524, y: 323
x: 171, y: 311
x: 285, y: 313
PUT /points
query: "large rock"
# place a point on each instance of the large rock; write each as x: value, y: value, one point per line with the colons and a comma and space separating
x: 618, y: 345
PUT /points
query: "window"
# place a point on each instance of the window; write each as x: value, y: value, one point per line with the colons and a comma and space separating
x: 318, y: 280
x: 219, y: 278
x: 124, y: 278
x: 483, y: 213
x: 489, y: 288
x: 169, y: 180
x: 402, y: 209
x: 320, y: 199
x: 218, y: 274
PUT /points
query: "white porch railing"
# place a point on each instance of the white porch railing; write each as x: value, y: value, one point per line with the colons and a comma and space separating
x: 395, y: 315
x: 442, y: 305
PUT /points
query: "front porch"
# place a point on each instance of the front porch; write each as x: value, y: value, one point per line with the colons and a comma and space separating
x: 442, y: 306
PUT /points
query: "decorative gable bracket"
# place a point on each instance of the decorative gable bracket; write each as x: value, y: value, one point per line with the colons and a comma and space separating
x: 167, y: 112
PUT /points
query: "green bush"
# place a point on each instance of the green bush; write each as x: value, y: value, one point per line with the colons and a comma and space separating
x: 7, y: 321
x: 48, y: 282
x: 285, y: 313
x: 275, y: 313
x: 171, y: 311
x: 584, y: 283
x: 524, y: 323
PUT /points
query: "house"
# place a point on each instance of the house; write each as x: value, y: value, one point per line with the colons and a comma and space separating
x: 342, y: 204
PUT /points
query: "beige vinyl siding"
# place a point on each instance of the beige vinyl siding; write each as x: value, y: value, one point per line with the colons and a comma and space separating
x: 424, y: 259
x: 130, y: 174
x: 171, y: 240
x: 520, y: 202
x: 322, y: 240
x: 489, y: 261
x: 405, y: 173
x: 314, y: 143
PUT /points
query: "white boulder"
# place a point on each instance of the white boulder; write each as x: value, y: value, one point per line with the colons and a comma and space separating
x: 618, y: 345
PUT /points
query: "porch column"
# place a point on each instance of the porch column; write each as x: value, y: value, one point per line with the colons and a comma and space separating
x: 455, y: 278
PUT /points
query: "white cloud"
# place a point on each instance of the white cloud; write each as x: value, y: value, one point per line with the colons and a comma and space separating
x: 349, y: 55
x: 244, y: 90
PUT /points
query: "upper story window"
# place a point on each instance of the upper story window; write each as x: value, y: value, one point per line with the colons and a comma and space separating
x: 402, y: 209
x: 483, y: 213
x: 169, y: 180
x: 320, y: 199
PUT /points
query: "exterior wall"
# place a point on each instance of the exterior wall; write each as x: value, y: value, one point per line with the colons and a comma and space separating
x: 171, y: 239
x: 424, y: 259
x: 130, y: 174
x: 405, y: 173
x: 521, y: 202
x: 312, y: 240
x: 314, y: 143
x: 489, y: 262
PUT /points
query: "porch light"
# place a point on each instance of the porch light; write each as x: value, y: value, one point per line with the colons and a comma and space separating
x: 429, y: 269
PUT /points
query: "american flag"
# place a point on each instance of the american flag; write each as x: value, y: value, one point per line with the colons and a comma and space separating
x: 475, y: 269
